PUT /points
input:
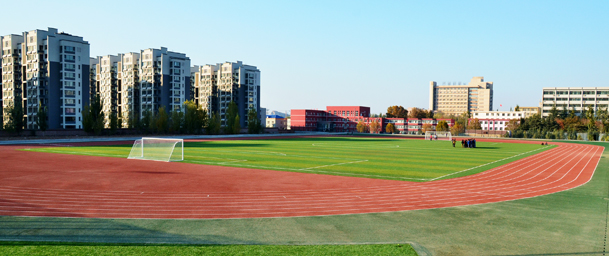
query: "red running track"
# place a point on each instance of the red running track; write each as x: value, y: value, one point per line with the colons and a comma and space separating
x: 58, y: 185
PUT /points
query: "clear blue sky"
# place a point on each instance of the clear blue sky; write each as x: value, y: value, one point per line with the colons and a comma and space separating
x: 371, y: 53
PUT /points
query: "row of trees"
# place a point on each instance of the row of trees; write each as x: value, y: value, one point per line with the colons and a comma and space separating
x: 192, y: 120
x: 401, y: 112
x: 15, y: 122
x: 562, y: 124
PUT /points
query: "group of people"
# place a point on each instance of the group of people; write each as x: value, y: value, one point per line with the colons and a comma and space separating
x: 467, y: 143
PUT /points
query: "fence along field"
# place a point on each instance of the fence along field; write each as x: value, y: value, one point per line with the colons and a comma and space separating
x: 395, y: 159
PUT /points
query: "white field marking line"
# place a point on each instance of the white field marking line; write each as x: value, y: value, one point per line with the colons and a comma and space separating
x: 501, y: 181
x: 322, y: 166
x: 565, y: 174
x: 406, y: 147
x: 450, y: 174
x: 549, y: 157
x: 498, y: 175
x: 512, y: 165
x: 513, y: 187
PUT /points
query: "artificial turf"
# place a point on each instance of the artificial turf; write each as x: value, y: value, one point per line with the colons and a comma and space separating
x: 46, y: 248
x: 382, y: 158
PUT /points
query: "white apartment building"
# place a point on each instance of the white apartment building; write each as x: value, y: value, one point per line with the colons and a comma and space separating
x: 129, y: 88
x: 496, y: 120
x: 49, y: 68
x: 218, y: 85
x: 164, y: 80
x: 577, y: 98
x: 107, y: 83
x: 456, y: 99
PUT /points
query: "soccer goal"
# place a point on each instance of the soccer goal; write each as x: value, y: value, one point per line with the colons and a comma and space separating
x: 158, y: 149
x: 440, y: 135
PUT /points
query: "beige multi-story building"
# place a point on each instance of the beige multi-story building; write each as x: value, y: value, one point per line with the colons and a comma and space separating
x: 529, y: 111
x: 456, y: 99
x: 576, y: 98
x: 218, y: 85
x: 107, y: 83
x: 129, y: 89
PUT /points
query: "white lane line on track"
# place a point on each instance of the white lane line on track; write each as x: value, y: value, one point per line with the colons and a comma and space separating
x: 450, y: 174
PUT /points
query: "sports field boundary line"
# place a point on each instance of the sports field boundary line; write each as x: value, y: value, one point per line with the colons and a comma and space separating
x: 336, y: 214
x: 450, y: 174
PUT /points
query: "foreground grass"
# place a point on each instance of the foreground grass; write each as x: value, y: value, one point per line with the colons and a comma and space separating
x: 382, y: 158
x: 30, y: 248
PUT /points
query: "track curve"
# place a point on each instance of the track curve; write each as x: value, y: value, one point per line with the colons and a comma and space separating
x: 57, y: 185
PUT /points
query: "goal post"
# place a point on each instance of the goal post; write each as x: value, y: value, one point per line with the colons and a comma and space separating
x: 158, y: 149
x: 438, y: 135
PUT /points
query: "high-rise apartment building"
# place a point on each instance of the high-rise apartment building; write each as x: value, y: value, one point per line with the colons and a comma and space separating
x: 49, y: 68
x: 217, y: 85
x: 576, y: 98
x: 456, y: 99
x: 129, y: 91
x: 107, y: 84
x: 164, y: 80
x: 132, y: 83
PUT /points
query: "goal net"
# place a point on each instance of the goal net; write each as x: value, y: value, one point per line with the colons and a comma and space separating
x: 438, y: 135
x: 158, y: 149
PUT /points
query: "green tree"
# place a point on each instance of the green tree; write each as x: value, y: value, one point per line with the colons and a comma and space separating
x: 517, y: 108
x: 563, y: 113
x: 195, y: 118
x: 553, y: 113
x: 15, y: 116
x: 397, y: 112
x: 231, y: 114
x: 254, y: 125
x: 572, y: 112
x: 145, y: 122
x: 114, y: 122
x: 93, y: 116
x: 152, y: 122
x: 591, y: 118
x: 41, y: 118
x: 474, y: 124
x: 214, y: 124
x: 457, y: 129
x: 177, y: 121
x: 237, y: 125
x: 162, y: 121
x: 442, y: 126
x: 513, y: 124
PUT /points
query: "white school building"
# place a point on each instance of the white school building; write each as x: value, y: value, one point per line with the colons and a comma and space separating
x: 496, y: 120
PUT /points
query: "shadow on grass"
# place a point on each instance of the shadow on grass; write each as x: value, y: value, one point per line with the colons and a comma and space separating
x: 76, y: 231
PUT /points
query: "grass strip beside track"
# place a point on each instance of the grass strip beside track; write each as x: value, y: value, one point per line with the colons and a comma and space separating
x: 382, y: 158
x: 49, y: 248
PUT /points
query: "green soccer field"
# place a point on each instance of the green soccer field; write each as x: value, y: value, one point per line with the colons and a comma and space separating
x: 382, y: 158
